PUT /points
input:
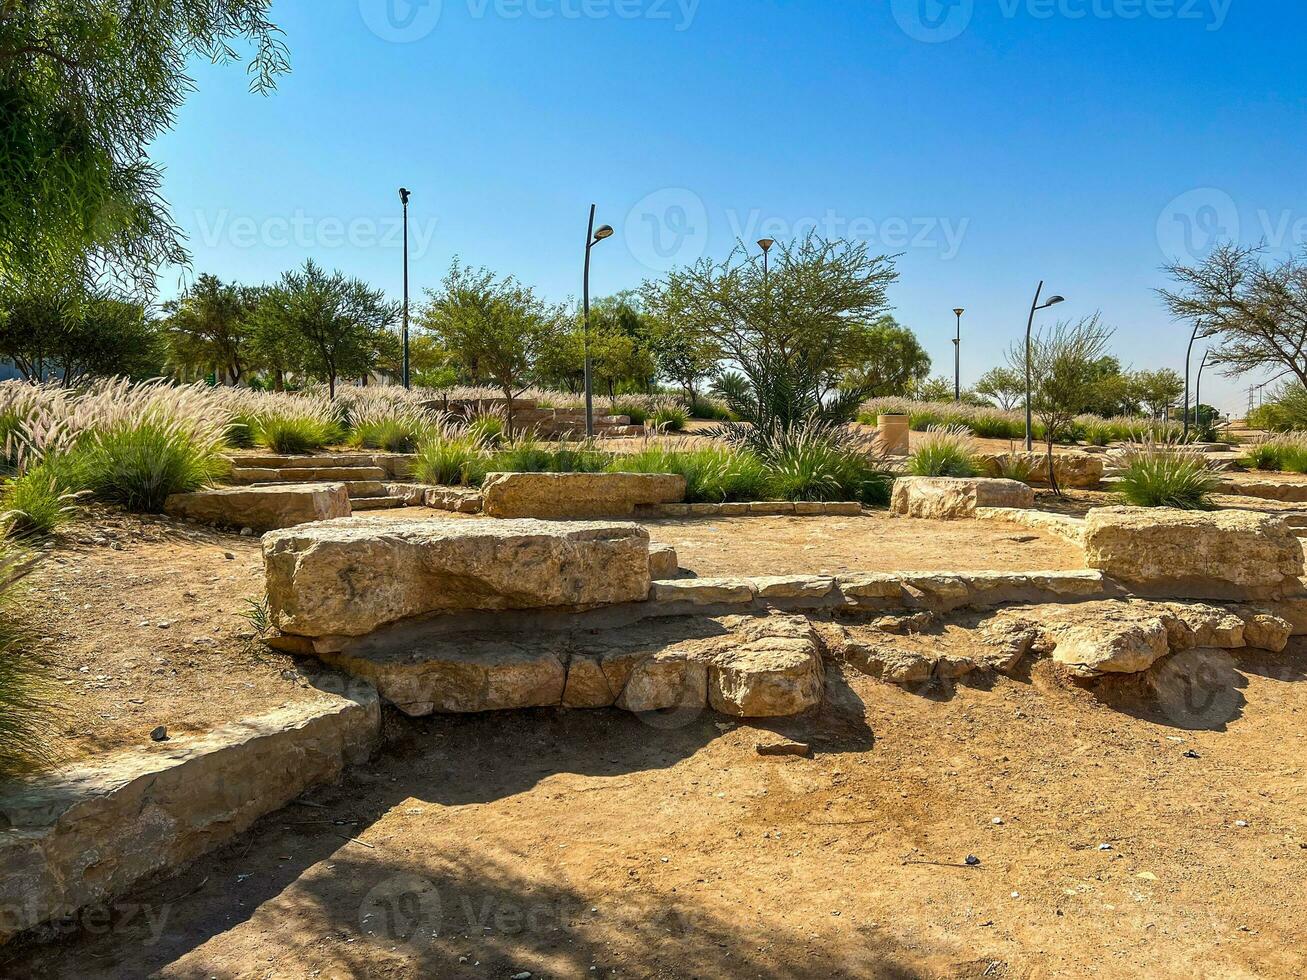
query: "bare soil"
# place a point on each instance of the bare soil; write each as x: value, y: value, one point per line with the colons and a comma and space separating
x: 140, y: 622
x: 1133, y: 840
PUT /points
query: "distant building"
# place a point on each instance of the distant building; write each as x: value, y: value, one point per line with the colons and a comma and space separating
x: 8, y: 372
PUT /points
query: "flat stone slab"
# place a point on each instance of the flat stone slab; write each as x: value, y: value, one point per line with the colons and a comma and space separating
x: 87, y: 835
x: 1188, y: 554
x: 345, y: 578
x: 262, y: 508
x: 951, y: 498
x: 1078, y: 471
x: 577, y: 495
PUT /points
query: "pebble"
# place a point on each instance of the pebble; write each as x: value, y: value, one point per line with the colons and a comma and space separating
x: 784, y: 748
x: 524, y: 975
x: 997, y: 821
x: 1241, y: 823
x: 972, y: 861
x: 1104, y: 847
x: 160, y: 734
x: 248, y: 532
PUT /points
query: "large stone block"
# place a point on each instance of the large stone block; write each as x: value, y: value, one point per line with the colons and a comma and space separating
x: 262, y: 508
x: 1223, y: 554
x: 1077, y: 471
x: 952, y: 498
x: 342, y: 578
x: 577, y: 495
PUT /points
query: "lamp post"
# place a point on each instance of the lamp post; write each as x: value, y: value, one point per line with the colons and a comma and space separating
x: 592, y: 238
x: 404, y: 194
x: 957, y: 358
x: 765, y: 244
x: 1198, y: 388
x: 1188, y: 358
x: 1035, y: 307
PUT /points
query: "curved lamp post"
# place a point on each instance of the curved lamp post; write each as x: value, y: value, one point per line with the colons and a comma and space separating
x: 404, y: 195
x: 957, y: 358
x: 1188, y: 358
x: 1198, y: 388
x: 592, y: 238
x: 1035, y: 307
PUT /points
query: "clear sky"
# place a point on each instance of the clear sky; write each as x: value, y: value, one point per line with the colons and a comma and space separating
x: 992, y: 142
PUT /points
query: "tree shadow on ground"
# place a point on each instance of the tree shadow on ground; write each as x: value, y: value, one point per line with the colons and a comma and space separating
x: 338, y: 905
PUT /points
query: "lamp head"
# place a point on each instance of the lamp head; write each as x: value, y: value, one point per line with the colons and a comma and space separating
x: 602, y: 232
x: 959, y: 311
x: 1053, y: 301
x: 766, y: 243
x: 404, y: 194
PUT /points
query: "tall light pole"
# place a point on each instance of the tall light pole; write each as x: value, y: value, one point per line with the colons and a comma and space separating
x: 957, y: 358
x: 404, y: 194
x: 1188, y: 358
x: 592, y: 238
x: 1035, y: 307
x: 765, y: 244
x: 1198, y: 388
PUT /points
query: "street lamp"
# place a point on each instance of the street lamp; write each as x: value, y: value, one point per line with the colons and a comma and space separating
x: 404, y: 194
x: 1188, y: 358
x: 592, y: 238
x: 1198, y: 388
x: 765, y: 244
x: 957, y: 358
x: 1035, y: 307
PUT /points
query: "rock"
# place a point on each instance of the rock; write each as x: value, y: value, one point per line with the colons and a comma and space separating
x: 949, y: 498
x: 802, y: 749
x: 888, y: 663
x: 345, y: 578
x: 704, y: 591
x: 795, y: 586
x: 87, y: 834
x: 1078, y: 471
x: 587, y: 684
x: 1191, y: 625
x: 1092, y: 649
x: 265, y: 508
x: 666, y: 679
x: 772, y: 677
x: 1292, y: 611
x: 577, y: 495
x: 1223, y: 554
x: 159, y: 734
x: 1263, y: 630
x: 458, y: 674
x: 663, y: 562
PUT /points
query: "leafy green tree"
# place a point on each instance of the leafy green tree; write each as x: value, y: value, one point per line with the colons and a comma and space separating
x: 1158, y: 390
x: 72, y: 336
x: 1004, y: 386
x: 1114, y: 392
x: 620, y: 355
x: 683, y: 354
x: 936, y: 389
x: 494, y: 328
x: 87, y: 87
x: 340, y: 327
x: 209, y: 327
x: 789, y: 333
x: 886, y: 359
x: 1066, y: 373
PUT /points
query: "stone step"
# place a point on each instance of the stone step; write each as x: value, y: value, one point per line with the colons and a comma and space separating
x: 277, y: 461
x: 322, y: 474
x: 377, y: 503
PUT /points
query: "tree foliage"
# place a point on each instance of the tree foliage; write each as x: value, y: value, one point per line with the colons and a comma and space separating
x: 886, y: 359
x: 85, y: 88
x: 1005, y: 386
x: 1158, y: 390
x: 1256, y: 310
x: 209, y: 328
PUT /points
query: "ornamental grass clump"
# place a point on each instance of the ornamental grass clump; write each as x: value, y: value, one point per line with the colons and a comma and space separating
x: 945, y: 451
x: 815, y: 464
x: 451, y: 460
x: 393, y: 428
x: 1279, y: 454
x: 1164, y: 474
x: 713, y: 474
x: 294, y: 425
x: 670, y: 417
x: 27, y: 695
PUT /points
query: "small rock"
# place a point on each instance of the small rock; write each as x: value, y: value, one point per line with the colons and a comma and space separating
x: 784, y: 748
x: 524, y: 975
x: 248, y: 532
x: 997, y: 821
x: 1191, y: 754
x: 229, y: 556
x: 1241, y: 823
x: 160, y: 734
x: 1104, y: 847
x: 972, y: 861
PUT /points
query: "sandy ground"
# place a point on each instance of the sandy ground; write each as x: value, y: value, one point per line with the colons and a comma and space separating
x: 140, y: 622
x: 1133, y: 841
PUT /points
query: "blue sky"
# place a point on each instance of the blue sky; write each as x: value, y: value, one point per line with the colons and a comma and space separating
x: 992, y: 142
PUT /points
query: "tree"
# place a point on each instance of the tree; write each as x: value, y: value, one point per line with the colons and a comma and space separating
x: 683, y: 354
x: 65, y: 334
x: 1065, y: 373
x: 937, y: 389
x: 619, y: 344
x: 86, y: 89
x: 790, y: 333
x: 1257, y: 311
x: 494, y: 328
x: 1113, y: 392
x: 1004, y: 386
x: 886, y: 359
x: 209, y: 328
x: 338, y: 326
x: 1158, y: 390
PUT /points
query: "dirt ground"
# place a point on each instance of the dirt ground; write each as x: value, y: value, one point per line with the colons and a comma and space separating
x: 1113, y: 840
x: 140, y: 622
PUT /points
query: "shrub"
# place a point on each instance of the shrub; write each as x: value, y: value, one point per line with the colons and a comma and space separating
x: 946, y: 451
x: 526, y: 455
x: 1013, y: 466
x: 711, y: 409
x: 633, y: 408
x: 448, y: 460
x: 814, y: 466
x: 670, y: 418
x: 1164, y: 474
x: 1283, y: 454
x: 26, y: 696
x: 36, y: 503
x: 139, y: 463
x: 487, y: 429
x: 713, y: 474
x: 295, y: 435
